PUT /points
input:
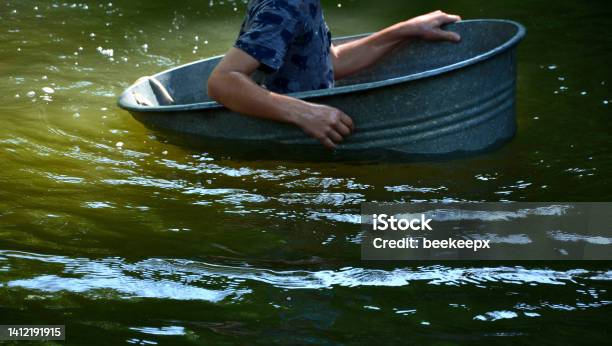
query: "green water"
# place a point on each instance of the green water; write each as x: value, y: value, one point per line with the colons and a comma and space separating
x: 127, y: 239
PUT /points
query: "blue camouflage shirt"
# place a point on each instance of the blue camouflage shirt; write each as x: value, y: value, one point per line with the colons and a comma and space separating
x: 291, y: 41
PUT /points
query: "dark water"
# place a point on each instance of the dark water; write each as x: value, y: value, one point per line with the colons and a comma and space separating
x: 128, y: 239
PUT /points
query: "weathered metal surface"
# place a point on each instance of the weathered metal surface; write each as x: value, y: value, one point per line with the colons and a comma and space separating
x: 425, y: 98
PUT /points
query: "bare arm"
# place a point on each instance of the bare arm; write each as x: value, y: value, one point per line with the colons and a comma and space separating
x: 230, y: 84
x: 354, y: 56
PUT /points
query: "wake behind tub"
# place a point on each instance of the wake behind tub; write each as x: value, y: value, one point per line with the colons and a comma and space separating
x: 424, y: 98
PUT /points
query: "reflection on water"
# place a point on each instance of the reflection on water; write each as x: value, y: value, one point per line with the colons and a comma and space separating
x: 570, y: 237
x: 171, y: 330
x: 491, y: 216
x: 178, y: 279
x: 135, y: 239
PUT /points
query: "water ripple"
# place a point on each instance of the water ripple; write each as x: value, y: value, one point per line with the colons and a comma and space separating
x: 183, y: 279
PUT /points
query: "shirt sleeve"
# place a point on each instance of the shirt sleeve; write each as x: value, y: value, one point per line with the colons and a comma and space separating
x: 271, y: 30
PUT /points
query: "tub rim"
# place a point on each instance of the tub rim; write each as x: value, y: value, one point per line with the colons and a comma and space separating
x: 341, y: 90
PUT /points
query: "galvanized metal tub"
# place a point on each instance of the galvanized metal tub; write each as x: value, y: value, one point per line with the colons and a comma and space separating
x: 424, y: 98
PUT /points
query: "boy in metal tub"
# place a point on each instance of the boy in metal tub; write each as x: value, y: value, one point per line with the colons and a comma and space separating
x: 290, y: 43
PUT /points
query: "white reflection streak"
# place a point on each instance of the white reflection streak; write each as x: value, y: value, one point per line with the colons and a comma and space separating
x: 109, y: 274
x: 485, y: 215
x: 171, y: 330
x: 572, y: 237
x: 167, y: 278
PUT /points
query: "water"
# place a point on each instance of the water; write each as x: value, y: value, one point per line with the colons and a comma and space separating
x: 129, y: 239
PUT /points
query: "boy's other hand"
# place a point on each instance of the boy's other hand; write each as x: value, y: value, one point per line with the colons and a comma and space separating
x: 428, y: 27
